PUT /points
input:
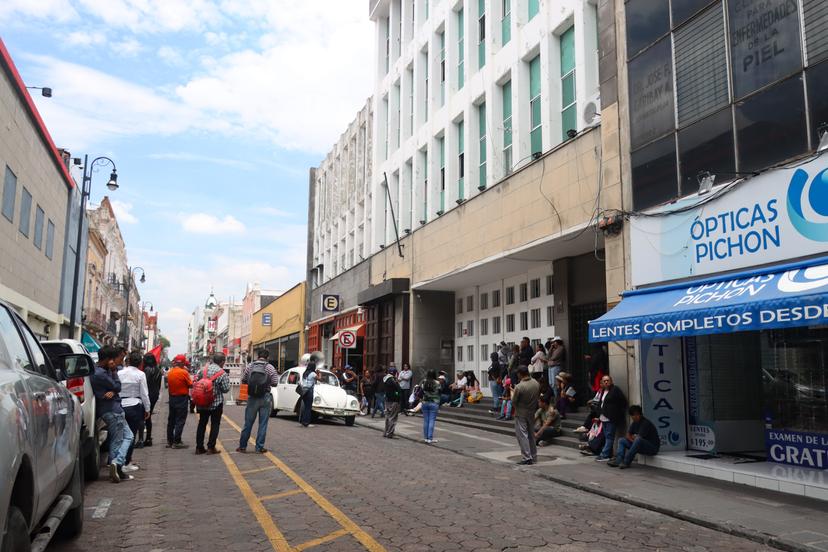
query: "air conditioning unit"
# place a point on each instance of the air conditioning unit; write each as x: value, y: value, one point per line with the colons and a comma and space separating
x: 591, y: 113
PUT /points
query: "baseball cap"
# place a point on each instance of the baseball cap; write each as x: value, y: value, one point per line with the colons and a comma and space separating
x: 557, y: 338
x: 179, y: 359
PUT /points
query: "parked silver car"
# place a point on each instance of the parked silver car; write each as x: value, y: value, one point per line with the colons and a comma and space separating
x: 42, y: 488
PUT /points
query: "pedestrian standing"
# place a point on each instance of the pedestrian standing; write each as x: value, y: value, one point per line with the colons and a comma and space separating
x: 259, y: 376
x: 349, y: 380
x: 405, y: 379
x: 538, y: 363
x: 393, y: 396
x: 525, y: 353
x: 613, y: 405
x: 524, y: 404
x: 134, y: 400
x: 309, y: 378
x: 367, y: 390
x: 379, y: 392
x: 154, y: 376
x: 495, y: 374
x: 106, y: 386
x: 431, y: 405
x: 178, y: 384
x: 219, y: 384
x: 557, y: 358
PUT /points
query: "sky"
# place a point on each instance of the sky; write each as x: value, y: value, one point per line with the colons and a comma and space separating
x: 213, y: 112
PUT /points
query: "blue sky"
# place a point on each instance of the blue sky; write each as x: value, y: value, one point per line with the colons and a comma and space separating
x: 213, y: 112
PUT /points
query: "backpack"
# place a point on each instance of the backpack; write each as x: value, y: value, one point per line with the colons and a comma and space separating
x: 392, y: 390
x: 203, y: 393
x: 258, y: 380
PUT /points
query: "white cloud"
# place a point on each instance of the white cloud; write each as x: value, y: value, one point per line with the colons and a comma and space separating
x: 154, y: 16
x: 84, y: 38
x: 204, y: 223
x: 60, y: 10
x: 123, y: 212
x: 128, y: 47
x: 170, y: 56
x: 197, y: 157
x: 272, y: 212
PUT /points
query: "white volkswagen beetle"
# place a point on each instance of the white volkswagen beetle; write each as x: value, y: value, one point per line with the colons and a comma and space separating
x: 329, y: 399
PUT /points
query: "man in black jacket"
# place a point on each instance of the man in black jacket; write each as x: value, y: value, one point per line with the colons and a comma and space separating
x: 613, y: 404
x: 526, y: 353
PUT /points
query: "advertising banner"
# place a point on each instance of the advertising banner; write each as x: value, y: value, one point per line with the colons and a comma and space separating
x: 663, y: 390
x: 807, y: 450
x: 779, y: 215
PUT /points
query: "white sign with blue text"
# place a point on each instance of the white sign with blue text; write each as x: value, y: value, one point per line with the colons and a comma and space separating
x: 779, y: 215
x: 663, y: 390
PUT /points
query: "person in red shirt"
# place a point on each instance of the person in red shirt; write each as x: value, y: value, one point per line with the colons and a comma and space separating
x: 179, y: 382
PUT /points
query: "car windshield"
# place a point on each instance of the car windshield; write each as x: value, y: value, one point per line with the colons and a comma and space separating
x: 328, y: 378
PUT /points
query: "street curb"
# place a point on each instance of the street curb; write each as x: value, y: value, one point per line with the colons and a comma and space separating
x: 689, y: 517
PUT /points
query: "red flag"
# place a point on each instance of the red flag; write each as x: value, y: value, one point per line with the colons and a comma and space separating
x: 156, y: 352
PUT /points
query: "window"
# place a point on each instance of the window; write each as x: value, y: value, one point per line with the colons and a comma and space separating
x: 534, y: 288
x: 550, y: 287
x: 410, y: 80
x: 651, y: 94
x: 506, y: 21
x: 50, y: 239
x: 442, y: 145
x: 39, y: 363
x: 536, y: 318
x: 523, y: 293
x: 38, y: 229
x: 496, y: 325
x: 654, y: 173
x: 484, y: 326
x: 535, y: 137
x: 484, y: 301
x: 510, y: 322
x: 484, y: 352
x: 569, y: 108
x: 461, y: 33
x: 425, y: 185
x: 13, y: 341
x: 387, y: 44
x: 9, y: 194
x: 495, y: 298
x: 398, y: 121
x: 481, y: 33
x: 459, y: 329
x: 647, y: 20
x: 817, y: 99
x: 767, y: 134
x: 470, y: 352
x: 524, y: 321
x: 470, y: 328
x: 816, y: 24
x: 706, y: 146
x: 461, y: 154
x: 460, y: 306
x: 550, y: 316
x: 470, y: 303
x: 506, y: 90
x: 510, y: 295
x: 459, y: 353
x: 534, y: 8
x: 481, y: 146
x: 684, y: 9
x: 442, y: 68
x: 25, y: 212
x: 384, y: 129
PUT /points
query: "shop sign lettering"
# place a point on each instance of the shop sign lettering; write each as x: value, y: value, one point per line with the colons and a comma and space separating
x: 664, y: 390
x: 807, y: 450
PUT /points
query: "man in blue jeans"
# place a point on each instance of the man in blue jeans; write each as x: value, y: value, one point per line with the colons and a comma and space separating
x: 259, y: 402
x: 641, y: 437
x: 613, y: 404
x: 107, y: 387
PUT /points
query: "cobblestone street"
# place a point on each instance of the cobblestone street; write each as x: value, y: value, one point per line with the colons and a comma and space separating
x: 335, y: 488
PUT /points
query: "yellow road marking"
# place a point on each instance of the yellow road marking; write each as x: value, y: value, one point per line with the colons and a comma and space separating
x: 277, y: 539
x: 358, y: 532
x: 281, y: 495
x: 257, y: 470
x: 322, y: 540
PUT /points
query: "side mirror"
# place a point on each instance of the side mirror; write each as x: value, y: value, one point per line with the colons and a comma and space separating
x: 76, y: 366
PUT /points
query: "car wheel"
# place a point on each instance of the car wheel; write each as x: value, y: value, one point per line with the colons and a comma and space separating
x: 273, y: 413
x: 349, y: 420
x: 72, y: 524
x: 92, y: 461
x: 17, y: 532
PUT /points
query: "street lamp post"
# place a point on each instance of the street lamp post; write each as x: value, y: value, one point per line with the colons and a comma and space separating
x: 86, y: 189
x: 143, y: 310
x: 129, y: 282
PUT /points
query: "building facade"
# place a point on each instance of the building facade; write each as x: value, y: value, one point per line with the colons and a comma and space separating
x: 722, y: 135
x: 38, y: 196
x: 279, y: 327
x: 254, y: 299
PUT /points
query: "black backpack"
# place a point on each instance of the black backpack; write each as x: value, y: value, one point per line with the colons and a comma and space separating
x: 393, y: 393
x: 258, y: 380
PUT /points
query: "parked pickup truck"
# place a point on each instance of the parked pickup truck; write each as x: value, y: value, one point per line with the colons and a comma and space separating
x: 41, y: 493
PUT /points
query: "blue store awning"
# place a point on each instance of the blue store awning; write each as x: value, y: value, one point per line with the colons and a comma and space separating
x: 782, y: 296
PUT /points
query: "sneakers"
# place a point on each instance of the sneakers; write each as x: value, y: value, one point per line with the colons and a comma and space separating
x: 180, y: 446
x: 242, y: 450
x: 581, y: 429
x: 612, y: 464
x: 432, y: 441
x: 262, y: 451
x: 213, y: 451
x: 148, y: 443
x: 113, y: 473
x: 602, y: 459
x: 623, y: 466
x: 130, y: 468
x: 525, y: 462
x: 201, y: 451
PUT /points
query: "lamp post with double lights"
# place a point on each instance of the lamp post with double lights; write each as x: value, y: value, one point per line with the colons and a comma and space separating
x: 86, y: 189
x: 130, y: 280
x: 143, y: 320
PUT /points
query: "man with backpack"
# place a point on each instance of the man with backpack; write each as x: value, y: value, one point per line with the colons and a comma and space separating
x: 209, y: 386
x: 259, y: 376
x: 393, y: 395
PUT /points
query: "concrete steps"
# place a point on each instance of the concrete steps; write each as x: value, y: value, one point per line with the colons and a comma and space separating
x: 477, y: 416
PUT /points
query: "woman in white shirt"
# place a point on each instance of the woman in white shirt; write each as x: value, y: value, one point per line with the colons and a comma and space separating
x: 538, y: 366
x: 134, y: 400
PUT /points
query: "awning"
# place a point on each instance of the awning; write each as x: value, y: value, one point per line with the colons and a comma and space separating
x: 359, y: 330
x: 794, y: 294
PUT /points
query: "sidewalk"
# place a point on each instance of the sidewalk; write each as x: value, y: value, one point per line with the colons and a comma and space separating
x: 780, y: 520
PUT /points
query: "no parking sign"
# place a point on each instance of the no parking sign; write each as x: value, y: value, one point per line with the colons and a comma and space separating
x: 347, y: 339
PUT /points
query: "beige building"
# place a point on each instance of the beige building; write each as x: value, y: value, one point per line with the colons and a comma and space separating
x: 280, y: 328
x: 34, y: 201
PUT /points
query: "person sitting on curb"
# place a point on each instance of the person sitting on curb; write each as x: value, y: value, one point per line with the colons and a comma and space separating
x: 547, y: 422
x: 642, y: 436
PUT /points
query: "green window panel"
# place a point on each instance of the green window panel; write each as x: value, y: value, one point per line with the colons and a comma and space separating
x: 461, y: 159
x: 536, y: 139
x: 568, y: 90
x: 568, y: 51
x: 442, y: 69
x: 461, y: 77
x: 569, y: 120
x: 507, y: 127
x: 506, y: 22
x: 534, y: 8
x: 481, y: 125
x: 481, y: 33
x: 442, y: 147
x: 425, y: 184
x: 534, y: 77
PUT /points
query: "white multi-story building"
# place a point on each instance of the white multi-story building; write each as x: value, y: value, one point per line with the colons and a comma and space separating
x: 467, y: 91
x: 342, y: 200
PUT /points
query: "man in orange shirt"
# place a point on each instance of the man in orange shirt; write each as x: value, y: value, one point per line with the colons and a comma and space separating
x: 178, y: 383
